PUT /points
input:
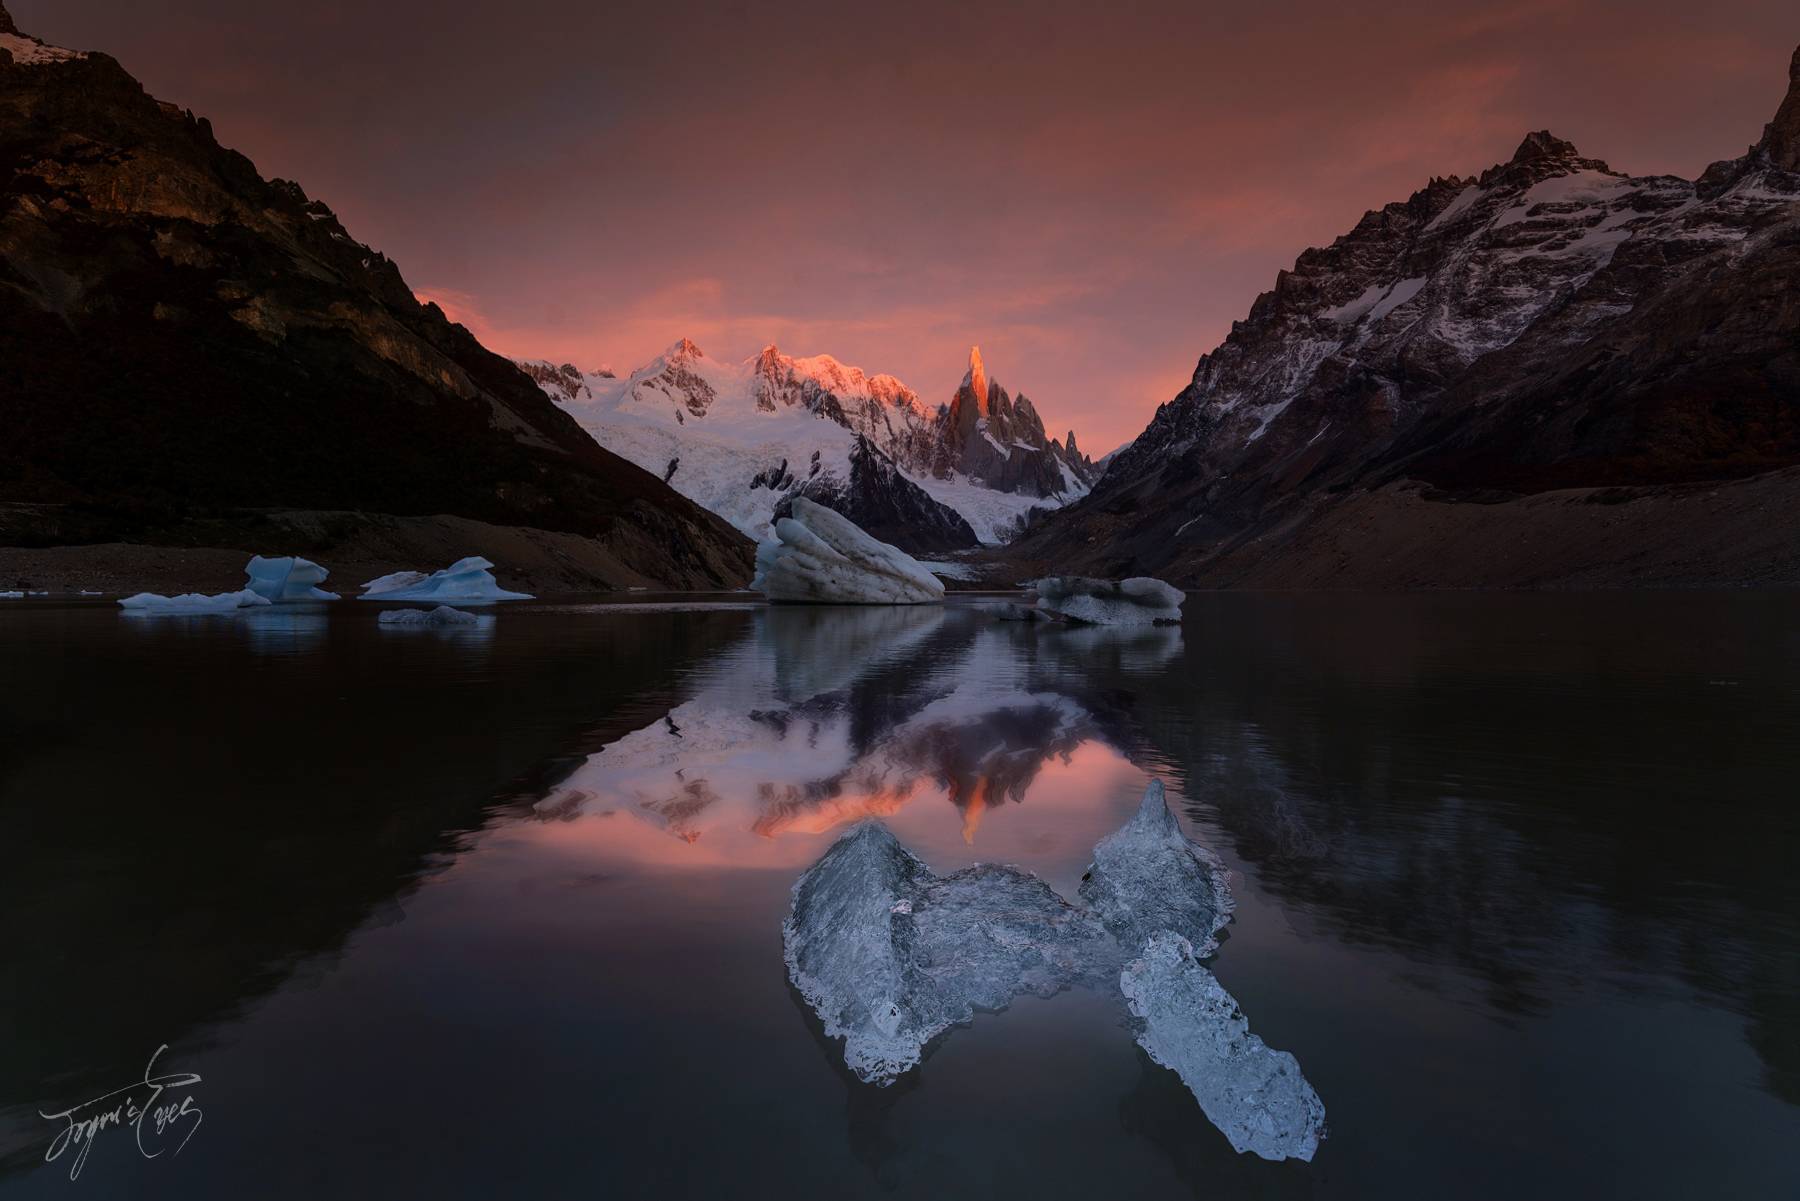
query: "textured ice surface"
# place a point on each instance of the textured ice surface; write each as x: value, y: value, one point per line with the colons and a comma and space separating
x: 1149, y: 876
x: 443, y: 615
x: 890, y: 955
x: 470, y: 579
x: 192, y: 602
x: 821, y: 556
x: 1137, y: 601
x: 287, y: 579
x: 394, y: 581
x: 1255, y: 1095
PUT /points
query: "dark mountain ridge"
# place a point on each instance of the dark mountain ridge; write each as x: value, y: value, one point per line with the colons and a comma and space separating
x: 1551, y: 325
x: 180, y: 337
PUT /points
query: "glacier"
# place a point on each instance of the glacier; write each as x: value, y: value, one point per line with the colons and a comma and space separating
x: 151, y: 603
x: 469, y: 580
x: 890, y: 955
x: 443, y: 615
x: 1136, y: 601
x: 287, y: 579
x: 822, y: 557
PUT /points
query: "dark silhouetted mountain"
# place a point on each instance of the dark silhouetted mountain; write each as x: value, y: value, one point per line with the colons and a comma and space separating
x: 180, y: 336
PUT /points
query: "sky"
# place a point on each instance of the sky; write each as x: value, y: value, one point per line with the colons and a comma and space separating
x: 1093, y: 193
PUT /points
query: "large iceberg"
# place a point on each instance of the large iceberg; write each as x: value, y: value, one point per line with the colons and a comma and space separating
x: 1137, y: 601
x: 823, y: 557
x: 287, y: 579
x: 1254, y: 1094
x: 890, y: 955
x: 466, y: 580
x: 192, y: 602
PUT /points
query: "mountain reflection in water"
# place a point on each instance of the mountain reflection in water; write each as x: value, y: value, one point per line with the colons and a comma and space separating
x: 1514, y: 879
x: 823, y: 716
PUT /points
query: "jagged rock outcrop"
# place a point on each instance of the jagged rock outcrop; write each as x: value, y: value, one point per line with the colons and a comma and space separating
x: 565, y: 382
x: 1551, y: 324
x: 179, y: 334
x: 879, y: 498
x: 990, y: 436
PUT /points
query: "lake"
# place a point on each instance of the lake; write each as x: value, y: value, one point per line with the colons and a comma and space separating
x: 496, y: 911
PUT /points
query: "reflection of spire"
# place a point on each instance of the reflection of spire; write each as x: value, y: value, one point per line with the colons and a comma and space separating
x: 973, y: 808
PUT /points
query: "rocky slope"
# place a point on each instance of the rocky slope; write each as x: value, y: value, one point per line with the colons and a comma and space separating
x: 1551, y: 324
x: 179, y: 336
x: 743, y: 438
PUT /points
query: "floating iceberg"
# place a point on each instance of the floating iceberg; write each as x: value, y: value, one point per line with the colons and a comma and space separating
x: 470, y: 579
x: 192, y: 602
x: 287, y: 579
x: 443, y: 615
x: 1255, y: 1095
x: 1137, y: 601
x: 890, y: 955
x: 823, y: 557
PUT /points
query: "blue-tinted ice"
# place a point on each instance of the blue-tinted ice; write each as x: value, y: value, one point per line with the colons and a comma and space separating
x: 890, y: 955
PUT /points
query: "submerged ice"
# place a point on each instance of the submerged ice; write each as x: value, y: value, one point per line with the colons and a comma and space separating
x: 821, y: 556
x: 443, y: 615
x: 467, y: 580
x: 1136, y: 601
x: 890, y: 955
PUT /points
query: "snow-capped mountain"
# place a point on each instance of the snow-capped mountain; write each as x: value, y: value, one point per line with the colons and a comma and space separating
x: 742, y: 439
x: 1552, y: 323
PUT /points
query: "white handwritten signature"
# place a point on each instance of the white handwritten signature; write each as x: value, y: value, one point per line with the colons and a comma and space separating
x: 140, y: 1106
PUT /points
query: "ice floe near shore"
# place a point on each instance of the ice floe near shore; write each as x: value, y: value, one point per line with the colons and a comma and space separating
x: 287, y: 579
x: 890, y: 955
x: 1136, y: 601
x: 192, y: 602
x: 822, y: 557
x: 443, y: 615
x: 469, y: 580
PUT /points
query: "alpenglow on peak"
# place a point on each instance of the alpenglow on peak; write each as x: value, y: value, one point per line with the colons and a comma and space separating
x: 976, y: 381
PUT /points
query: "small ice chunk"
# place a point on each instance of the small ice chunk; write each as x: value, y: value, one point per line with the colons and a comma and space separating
x: 470, y: 579
x: 1256, y: 1096
x: 192, y: 602
x: 1136, y: 601
x: 1148, y: 876
x: 821, y: 556
x: 287, y: 579
x: 443, y: 615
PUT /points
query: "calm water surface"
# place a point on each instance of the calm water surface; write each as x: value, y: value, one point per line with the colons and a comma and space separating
x: 496, y: 912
